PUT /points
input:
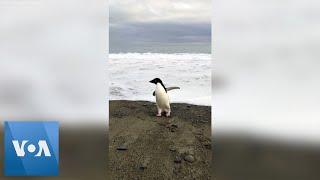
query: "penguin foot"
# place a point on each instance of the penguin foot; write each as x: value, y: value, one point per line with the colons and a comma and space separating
x: 168, y: 112
x: 158, y: 115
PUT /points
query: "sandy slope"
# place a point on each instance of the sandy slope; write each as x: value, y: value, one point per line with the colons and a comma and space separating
x: 154, y: 144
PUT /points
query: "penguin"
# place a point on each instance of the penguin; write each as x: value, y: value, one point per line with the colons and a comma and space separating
x: 162, y: 98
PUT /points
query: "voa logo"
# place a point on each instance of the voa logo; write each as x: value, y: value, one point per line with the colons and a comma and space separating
x: 31, y: 148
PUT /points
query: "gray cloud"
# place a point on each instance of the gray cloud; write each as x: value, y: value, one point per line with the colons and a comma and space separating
x: 147, y: 22
x: 164, y: 10
x: 163, y: 32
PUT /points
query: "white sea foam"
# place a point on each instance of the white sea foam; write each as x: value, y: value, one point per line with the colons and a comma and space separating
x: 130, y: 74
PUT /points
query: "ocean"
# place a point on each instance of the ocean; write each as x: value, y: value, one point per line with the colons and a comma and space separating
x: 130, y: 74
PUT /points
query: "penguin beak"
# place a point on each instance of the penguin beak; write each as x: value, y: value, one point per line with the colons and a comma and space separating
x: 151, y: 81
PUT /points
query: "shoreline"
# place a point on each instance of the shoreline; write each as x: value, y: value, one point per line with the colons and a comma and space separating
x: 154, y: 102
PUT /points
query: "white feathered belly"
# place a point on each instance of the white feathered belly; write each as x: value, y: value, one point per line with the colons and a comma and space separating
x: 162, y: 98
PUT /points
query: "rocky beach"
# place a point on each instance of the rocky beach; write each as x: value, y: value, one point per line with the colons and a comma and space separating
x: 143, y: 146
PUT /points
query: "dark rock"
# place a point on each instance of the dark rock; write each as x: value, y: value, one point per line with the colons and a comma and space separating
x: 142, y: 167
x: 207, y: 145
x: 122, y: 147
x: 189, y: 158
x: 174, y: 126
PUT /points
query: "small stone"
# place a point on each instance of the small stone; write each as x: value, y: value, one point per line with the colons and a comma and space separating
x: 174, y: 126
x: 173, y: 149
x: 203, y: 121
x: 188, y: 106
x: 177, y: 159
x: 144, y: 104
x: 189, y: 158
x: 207, y: 145
x: 142, y: 166
x: 122, y: 147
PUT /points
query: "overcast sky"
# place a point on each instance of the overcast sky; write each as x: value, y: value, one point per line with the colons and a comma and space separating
x: 144, y: 23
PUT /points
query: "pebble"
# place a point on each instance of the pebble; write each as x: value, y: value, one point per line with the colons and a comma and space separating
x: 207, y: 145
x: 204, y: 121
x: 142, y: 166
x: 173, y: 149
x: 122, y: 147
x: 189, y: 158
x: 173, y: 127
x: 177, y: 159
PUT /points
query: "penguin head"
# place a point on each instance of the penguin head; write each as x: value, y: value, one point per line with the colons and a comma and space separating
x: 155, y: 81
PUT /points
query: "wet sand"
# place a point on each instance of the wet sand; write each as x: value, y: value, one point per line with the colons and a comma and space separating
x: 143, y: 146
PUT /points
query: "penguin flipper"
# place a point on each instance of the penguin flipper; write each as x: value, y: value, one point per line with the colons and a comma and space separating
x: 172, y: 88
x: 154, y: 93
